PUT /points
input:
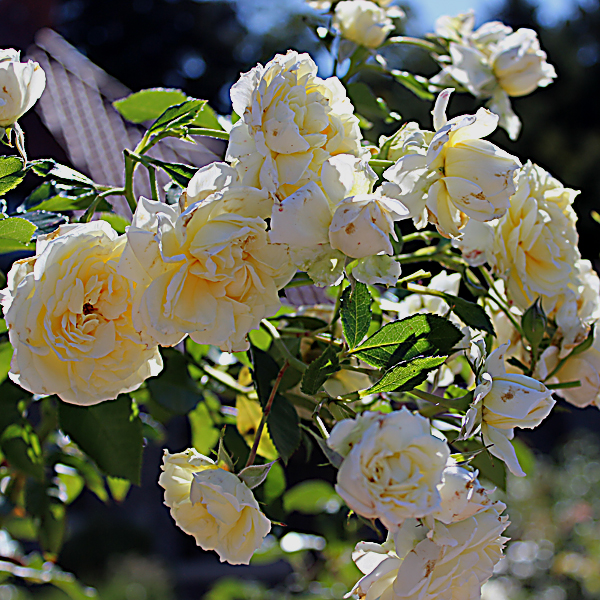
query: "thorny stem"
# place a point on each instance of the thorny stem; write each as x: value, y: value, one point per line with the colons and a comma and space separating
x: 265, y: 414
x: 129, y: 171
x: 91, y: 209
x: 153, y: 184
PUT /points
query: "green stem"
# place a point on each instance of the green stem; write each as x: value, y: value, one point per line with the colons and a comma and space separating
x: 91, y: 209
x: 564, y: 384
x: 265, y: 414
x: 426, y: 236
x: 153, y: 184
x: 379, y: 162
x: 411, y: 41
x: 338, y: 306
x: 280, y: 345
x: 129, y: 171
x: 213, y: 133
x: 494, y: 296
x: 299, y: 281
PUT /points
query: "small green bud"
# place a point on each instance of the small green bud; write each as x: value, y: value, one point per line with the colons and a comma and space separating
x: 534, y: 323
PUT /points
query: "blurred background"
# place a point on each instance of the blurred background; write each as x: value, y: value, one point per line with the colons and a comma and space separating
x: 96, y: 51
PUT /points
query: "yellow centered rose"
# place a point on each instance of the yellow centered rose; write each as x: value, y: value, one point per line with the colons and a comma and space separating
x: 213, y: 505
x: 204, y: 272
x: 70, y: 322
x: 291, y: 122
x: 21, y: 85
x: 392, y: 465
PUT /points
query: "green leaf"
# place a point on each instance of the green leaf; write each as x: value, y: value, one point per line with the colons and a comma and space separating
x: 174, y: 389
x: 89, y: 472
x: 180, y: 115
x: 15, y: 234
x: 319, y: 371
x: 118, y: 488
x: 11, y: 173
x: 284, y: 427
x: 422, y: 334
x: 470, y: 313
x: 178, y: 172
x: 415, y: 83
x: 45, y: 222
x: 490, y: 468
x: 274, y: 484
x: 224, y: 459
x: 147, y: 105
x: 61, y: 202
x: 356, y: 313
x: 50, y: 168
x: 254, y: 475
x: 109, y: 433
x: 6, y: 352
x: 406, y: 376
x: 204, y: 434
x: 311, y: 497
x: 207, y: 118
x: 117, y: 222
x: 332, y: 456
x: 52, y: 529
x: 21, y: 448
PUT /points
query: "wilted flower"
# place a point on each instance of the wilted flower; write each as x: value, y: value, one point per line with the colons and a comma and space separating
x: 291, y: 122
x: 213, y: 505
x: 392, y: 468
x: 21, y: 85
x: 69, y: 316
x: 459, y: 176
x: 503, y: 401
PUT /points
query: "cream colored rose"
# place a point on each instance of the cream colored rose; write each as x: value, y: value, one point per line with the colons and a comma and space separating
x: 21, y: 85
x: 362, y: 22
x: 452, y: 562
x: 492, y: 62
x: 361, y: 225
x: 291, y: 122
x: 213, y: 505
x: 392, y: 470
x: 584, y: 367
x: 205, y: 272
x: 533, y: 247
x: 460, y: 177
x: 519, y: 63
x: 69, y: 315
x: 503, y: 401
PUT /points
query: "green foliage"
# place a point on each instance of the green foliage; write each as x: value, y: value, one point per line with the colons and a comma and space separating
x: 422, y: 334
x: 52, y: 170
x: 45, y: 222
x: 254, y: 475
x: 204, y: 433
x: 110, y: 433
x: 148, y: 105
x: 470, y: 313
x: 178, y: 116
x: 178, y: 172
x: 15, y: 234
x: 175, y: 390
x: 282, y: 421
x: 274, y: 484
x: 356, y: 313
x: 418, y: 85
x: 406, y: 376
x: 320, y: 370
x: 207, y: 118
x: 310, y: 497
x: 11, y: 173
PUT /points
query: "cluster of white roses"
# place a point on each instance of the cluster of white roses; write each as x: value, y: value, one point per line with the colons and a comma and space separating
x: 492, y: 62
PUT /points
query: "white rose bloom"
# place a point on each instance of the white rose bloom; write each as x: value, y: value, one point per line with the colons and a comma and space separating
x: 69, y: 316
x: 291, y: 122
x: 462, y: 496
x: 381, y: 269
x: 451, y: 563
x: 213, y: 505
x: 361, y: 225
x: 205, y: 272
x: 460, y: 177
x: 533, y: 248
x: 584, y: 367
x: 492, y: 62
x: 392, y: 470
x: 21, y: 85
x: 362, y: 22
x: 503, y: 401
